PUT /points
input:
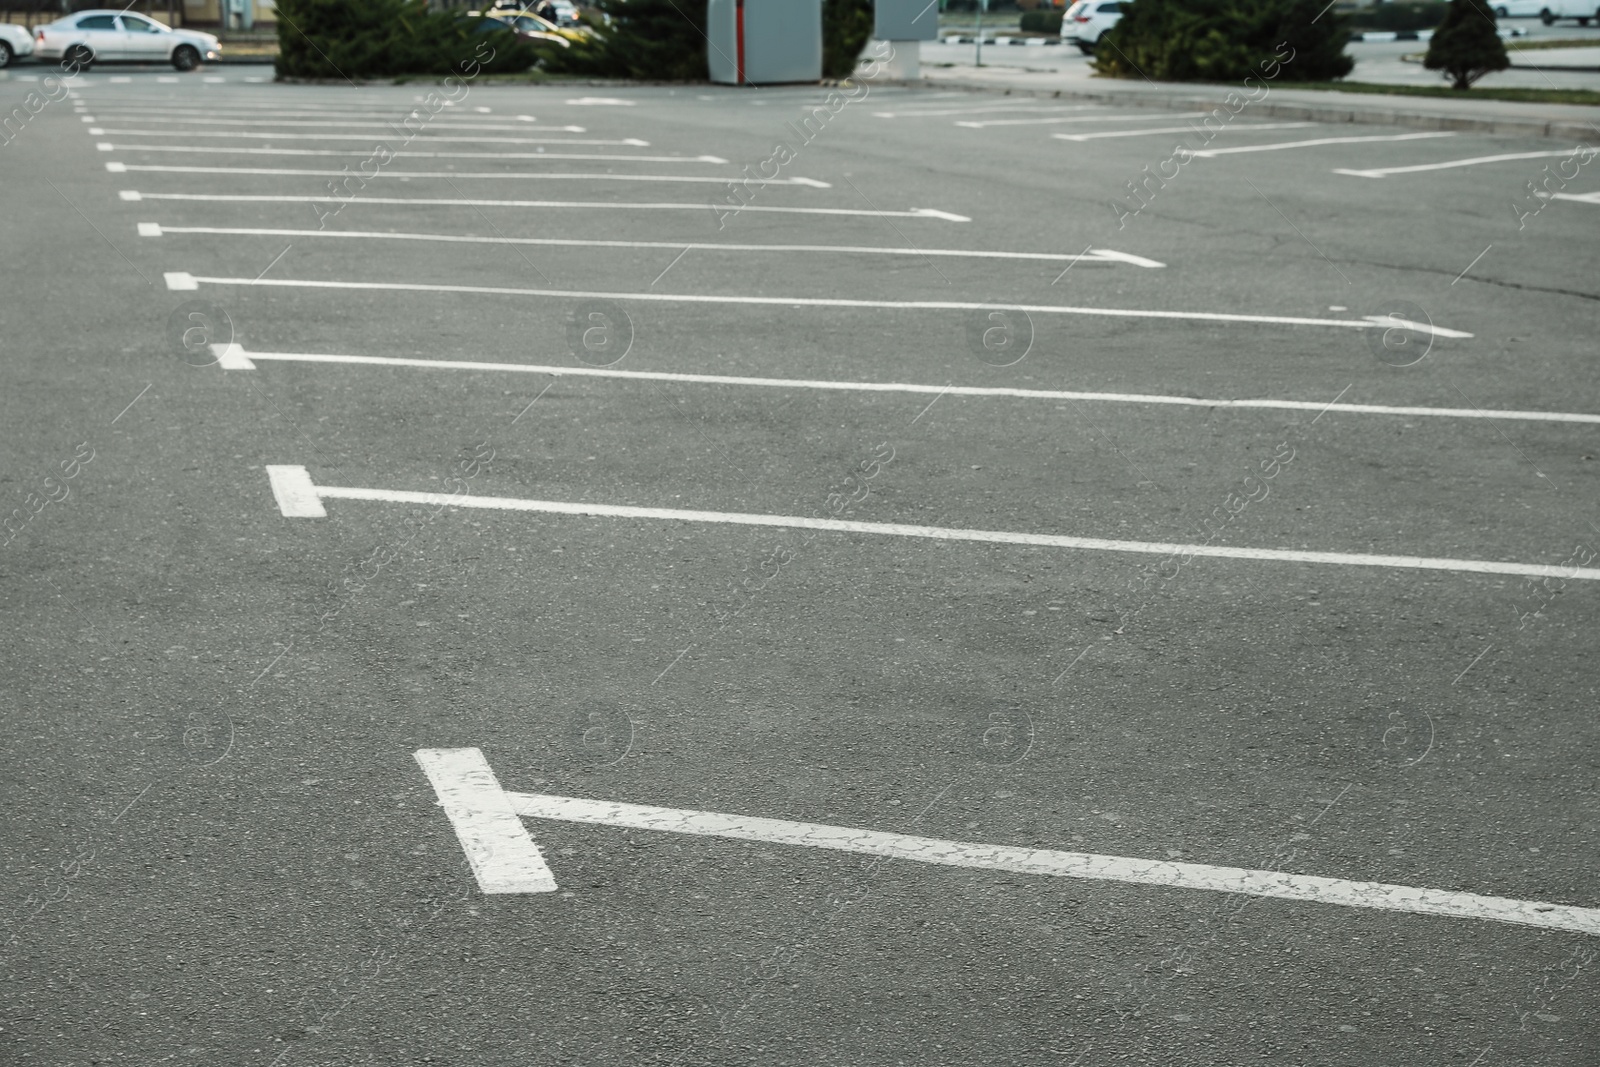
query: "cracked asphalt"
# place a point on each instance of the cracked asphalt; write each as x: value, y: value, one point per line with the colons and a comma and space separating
x: 218, y: 846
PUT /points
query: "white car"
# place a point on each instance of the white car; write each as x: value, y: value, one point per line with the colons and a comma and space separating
x: 566, y: 13
x: 1086, y: 21
x: 1547, y: 11
x: 120, y: 36
x: 14, y: 41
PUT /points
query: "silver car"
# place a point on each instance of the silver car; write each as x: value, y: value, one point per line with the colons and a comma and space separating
x: 106, y: 36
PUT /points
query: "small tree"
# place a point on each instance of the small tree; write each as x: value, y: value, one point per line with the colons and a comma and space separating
x: 846, y: 27
x: 1466, y: 46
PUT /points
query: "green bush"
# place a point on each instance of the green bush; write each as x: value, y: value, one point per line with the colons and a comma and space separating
x: 340, y: 39
x: 651, y: 40
x: 1225, y: 40
x: 665, y: 40
x: 1402, y: 17
x: 1466, y: 45
x: 1041, y: 21
x: 846, y: 28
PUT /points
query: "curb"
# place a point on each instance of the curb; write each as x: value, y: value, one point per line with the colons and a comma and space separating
x: 1031, y: 42
x: 1560, y: 129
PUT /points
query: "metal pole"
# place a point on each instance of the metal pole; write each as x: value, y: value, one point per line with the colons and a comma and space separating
x: 983, y: 5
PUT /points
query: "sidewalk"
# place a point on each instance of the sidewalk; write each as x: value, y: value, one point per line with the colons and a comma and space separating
x: 1568, y: 122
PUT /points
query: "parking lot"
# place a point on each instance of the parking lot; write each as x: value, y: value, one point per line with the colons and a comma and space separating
x: 709, y: 576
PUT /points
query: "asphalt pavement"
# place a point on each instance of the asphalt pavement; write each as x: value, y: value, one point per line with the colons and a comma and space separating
x: 596, y: 575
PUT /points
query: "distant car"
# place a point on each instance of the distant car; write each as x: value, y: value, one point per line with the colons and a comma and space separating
x: 527, y: 28
x: 1547, y: 11
x: 121, y: 36
x: 562, y: 13
x: 14, y: 41
x: 1086, y: 21
x: 529, y: 19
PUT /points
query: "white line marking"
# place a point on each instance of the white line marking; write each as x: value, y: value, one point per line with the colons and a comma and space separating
x: 104, y: 146
x: 396, y: 126
x: 1093, y: 255
x: 229, y: 150
x: 181, y: 281
x: 914, y: 213
x: 502, y: 853
x: 1384, y: 172
x: 296, y: 495
x: 1377, y: 321
x: 118, y: 168
x: 941, y: 533
x: 169, y: 80
x: 1583, y: 198
x: 479, y: 809
x: 1152, y: 117
x: 906, y: 387
x: 1207, y: 153
x: 599, y: 101
x: 233, y: 357
x: 632, y: 142
x: 1098, y: 135
x: 946, y: 112
x: 149, y: 229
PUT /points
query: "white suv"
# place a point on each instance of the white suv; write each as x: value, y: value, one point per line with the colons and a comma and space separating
x: 1087, y: 21
x: 107, y: 36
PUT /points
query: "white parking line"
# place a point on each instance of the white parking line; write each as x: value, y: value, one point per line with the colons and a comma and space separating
x: 946, y: 112
x: 122, y: 168
x: 1094, y: 255
x: 236, y: 357
x: 133, y: 114
x: 1321, y: 141
x: 915, y: 213
x: 505, y: 859
x: 407, y: 153
x: 1582, y: 198
x: 1384, y: 172
x: 1177, y: 129
x: 503, y: 856
x: 182, y: 281
x: 1080, y: 118
x: 395, y: 125
x: 632, y: 142
x: 586, y: 509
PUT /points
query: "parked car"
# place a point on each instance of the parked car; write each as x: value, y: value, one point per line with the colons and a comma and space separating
x: 14, y: 41
x: 120, y: 36
x: 1086, y: 21
x: 526, y: 27
x: 561, y: 12
x: 1547, y: 11
x: 531, y: 18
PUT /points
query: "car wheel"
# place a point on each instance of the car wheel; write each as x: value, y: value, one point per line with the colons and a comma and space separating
x: 5, y: 54
x: 78, y: 56
x: 1086, y: 49
x: 1583, y: 22
x: 1547, y: 17
x: 185, y: 57
x: 1501, y: 13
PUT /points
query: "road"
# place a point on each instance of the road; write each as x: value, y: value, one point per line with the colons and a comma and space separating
x: 535, y: 602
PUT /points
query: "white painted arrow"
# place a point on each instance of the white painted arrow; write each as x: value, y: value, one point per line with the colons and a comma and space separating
x: 506, y: 860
